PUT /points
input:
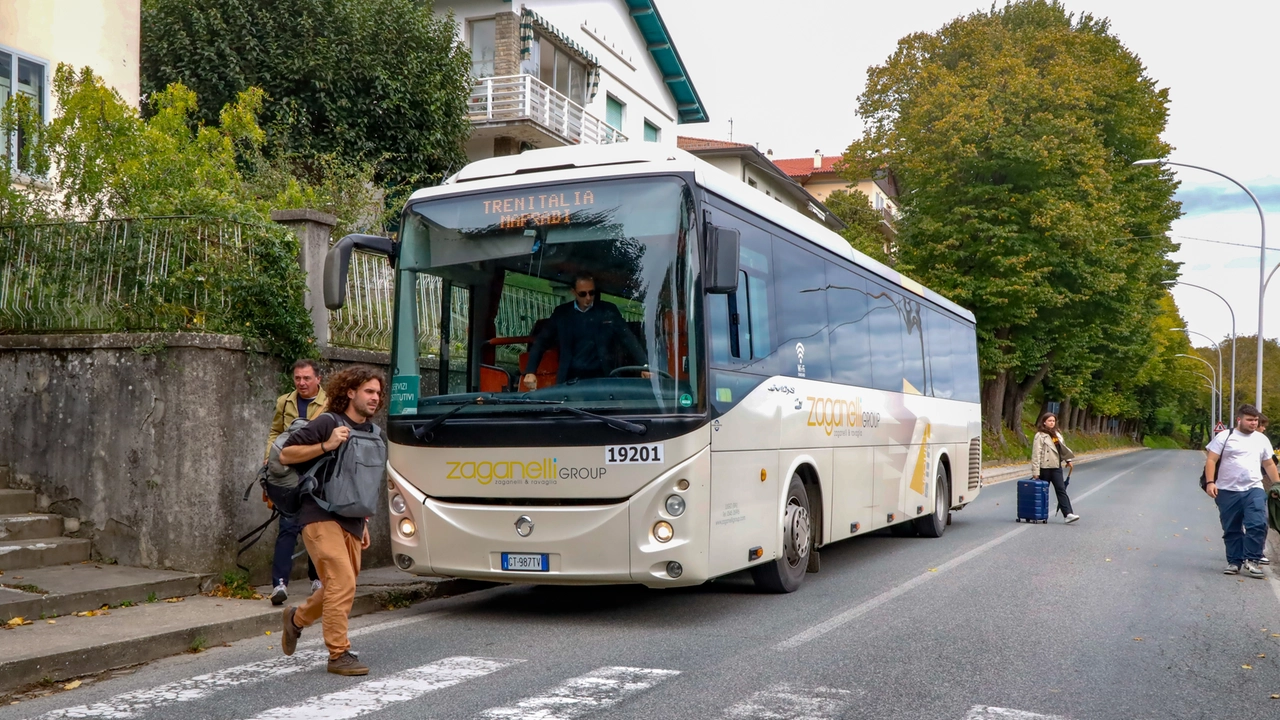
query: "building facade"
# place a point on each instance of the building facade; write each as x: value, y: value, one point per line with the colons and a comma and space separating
x: 746, y: 163
x: 818, y: 175
x: 549, y: 73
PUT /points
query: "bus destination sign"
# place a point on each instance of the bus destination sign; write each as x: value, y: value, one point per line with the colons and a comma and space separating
x: 543, y: 209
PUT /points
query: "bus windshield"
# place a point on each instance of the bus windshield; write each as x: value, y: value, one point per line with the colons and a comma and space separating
x: 582, y: 294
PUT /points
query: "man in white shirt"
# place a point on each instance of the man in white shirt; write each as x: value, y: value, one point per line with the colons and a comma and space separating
x: 1236, y: 487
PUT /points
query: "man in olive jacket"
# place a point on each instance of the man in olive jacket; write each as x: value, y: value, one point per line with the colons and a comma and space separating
x: 308, y: 397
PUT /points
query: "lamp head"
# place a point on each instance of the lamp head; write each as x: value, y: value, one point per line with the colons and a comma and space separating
x: 1149, y: 161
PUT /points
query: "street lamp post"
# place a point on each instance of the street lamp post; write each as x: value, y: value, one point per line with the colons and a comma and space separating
x: 1262, y: 263
x: 1212, y: 390
x: 1215, y: 380
x: 1233, y: 336
x: 1221, y: 377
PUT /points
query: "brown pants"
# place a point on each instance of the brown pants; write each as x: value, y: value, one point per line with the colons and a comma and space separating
x: 337, y: 557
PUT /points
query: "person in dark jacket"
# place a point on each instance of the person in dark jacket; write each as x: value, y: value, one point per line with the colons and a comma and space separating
x: 587, y: 330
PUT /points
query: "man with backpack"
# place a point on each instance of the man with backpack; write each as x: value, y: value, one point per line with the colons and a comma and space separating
x: 308, y: 400
x: 1233, y: 470
x: 339, y: 493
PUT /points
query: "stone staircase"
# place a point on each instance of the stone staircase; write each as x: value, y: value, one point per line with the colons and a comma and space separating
x: 45, y: 573
x: 29, y: 538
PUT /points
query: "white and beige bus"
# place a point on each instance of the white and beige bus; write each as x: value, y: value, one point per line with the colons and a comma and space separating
x: 793, y: 392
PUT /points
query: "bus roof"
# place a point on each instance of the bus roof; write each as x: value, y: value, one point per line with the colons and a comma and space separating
x: 570, y: 163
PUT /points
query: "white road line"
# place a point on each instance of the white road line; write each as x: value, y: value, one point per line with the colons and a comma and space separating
x: 789, y: 702
x: 374, y: 695
x: 136, y: 702
x: 858, y: 611
x: 598, y: 689
x: 983, y: 712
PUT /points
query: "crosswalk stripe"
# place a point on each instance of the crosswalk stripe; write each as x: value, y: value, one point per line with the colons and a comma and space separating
x: 598, y: 689
x: 788, y: 702
x: 374, y: 695
x: 984, y: 712
x: 136, y: 702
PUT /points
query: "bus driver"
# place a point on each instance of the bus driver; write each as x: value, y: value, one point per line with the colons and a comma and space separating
x: 587, y: 329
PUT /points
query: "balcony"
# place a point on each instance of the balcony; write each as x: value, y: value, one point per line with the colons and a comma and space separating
x: 527, y: 109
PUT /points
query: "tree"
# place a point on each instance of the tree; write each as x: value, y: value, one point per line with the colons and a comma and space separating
x: 1011, y: 133
x: 866, y: 228
x: 381, y: 81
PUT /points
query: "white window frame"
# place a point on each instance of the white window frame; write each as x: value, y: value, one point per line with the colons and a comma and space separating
x: 657, y: 131
x: 45, y: 99
x: 622, y: 105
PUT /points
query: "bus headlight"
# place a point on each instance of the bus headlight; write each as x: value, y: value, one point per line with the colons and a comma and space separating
x: 675, y: 505
x: 406, y: 527
x: 662, y: 531
x: 397, y: 504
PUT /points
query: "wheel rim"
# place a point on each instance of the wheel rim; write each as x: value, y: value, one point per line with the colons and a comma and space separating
x: 940, y: 503
x: 797, y: 533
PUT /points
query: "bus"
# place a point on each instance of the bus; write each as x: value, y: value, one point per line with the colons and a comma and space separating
x: 791, y: 393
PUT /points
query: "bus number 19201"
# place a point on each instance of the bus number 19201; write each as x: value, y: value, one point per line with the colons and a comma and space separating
x: 632, y: 454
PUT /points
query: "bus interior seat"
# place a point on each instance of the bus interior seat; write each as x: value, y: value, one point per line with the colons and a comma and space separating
x: 550, y: 363
x: 494, y: 379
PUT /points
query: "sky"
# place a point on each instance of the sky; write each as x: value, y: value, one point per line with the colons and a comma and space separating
x: 789, y: 75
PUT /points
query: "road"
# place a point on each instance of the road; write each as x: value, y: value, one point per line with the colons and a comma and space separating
x: 1123, y: 615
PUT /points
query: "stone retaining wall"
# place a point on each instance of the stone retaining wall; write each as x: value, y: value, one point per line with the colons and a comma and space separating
x: 149, y: 441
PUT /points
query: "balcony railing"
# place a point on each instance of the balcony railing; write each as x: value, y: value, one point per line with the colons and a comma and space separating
x: 524, y: 97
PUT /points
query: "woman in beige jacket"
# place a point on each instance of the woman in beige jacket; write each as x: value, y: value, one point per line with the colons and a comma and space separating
x: 1048, y: 454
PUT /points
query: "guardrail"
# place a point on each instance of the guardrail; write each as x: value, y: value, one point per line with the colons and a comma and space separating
x: 524, y: 97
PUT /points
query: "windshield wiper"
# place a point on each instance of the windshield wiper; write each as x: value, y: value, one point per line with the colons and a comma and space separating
x: 613, y: 422
x: 421, y: 431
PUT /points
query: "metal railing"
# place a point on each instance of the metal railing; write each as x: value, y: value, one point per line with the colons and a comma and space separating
x: 524, y: 97
x: 158, y: 273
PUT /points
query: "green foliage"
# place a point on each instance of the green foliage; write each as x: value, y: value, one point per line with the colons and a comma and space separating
x: 199, y: 643
x: 102, y: 162
x: 1011, y: 133
x: 356, y: 81
x: 866, y: 229
x: 1008, y: 447
x: 1161, y: 442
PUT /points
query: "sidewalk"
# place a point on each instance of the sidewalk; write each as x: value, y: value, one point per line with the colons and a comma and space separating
x: 1020, y: 471
x: 76, y: 645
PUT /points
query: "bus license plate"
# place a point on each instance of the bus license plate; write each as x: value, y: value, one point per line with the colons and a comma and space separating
x: 525, y: 562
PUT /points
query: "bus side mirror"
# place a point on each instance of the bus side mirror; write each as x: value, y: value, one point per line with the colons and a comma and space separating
x: 720, y: 271
x: 338, y: 260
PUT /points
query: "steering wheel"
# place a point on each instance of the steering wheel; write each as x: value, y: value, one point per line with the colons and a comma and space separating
x: 638, y: 369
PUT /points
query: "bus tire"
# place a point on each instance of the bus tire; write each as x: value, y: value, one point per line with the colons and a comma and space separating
x: 935, y: 523
x: 785, y: 574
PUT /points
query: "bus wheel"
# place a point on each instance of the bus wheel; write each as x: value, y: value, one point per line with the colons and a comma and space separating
x: 785, y: 574
x: 934, y: 524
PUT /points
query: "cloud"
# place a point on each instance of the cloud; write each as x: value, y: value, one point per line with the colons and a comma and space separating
x: 1210, y: 199
x: 1200, y: 267
x: 1242, y: 262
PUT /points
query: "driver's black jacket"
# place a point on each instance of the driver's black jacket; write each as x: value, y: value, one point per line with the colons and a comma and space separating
x: 586, y: 341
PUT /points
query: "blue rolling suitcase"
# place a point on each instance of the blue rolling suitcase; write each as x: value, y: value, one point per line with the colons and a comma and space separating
x: 1033, y: 501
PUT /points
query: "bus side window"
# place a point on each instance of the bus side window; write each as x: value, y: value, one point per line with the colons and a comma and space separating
x: 847, y: 312
x: 940, y: 349
x: 731, y: 324
x: 912, y: 346
x: 964, y: 364
x: 800, y: 299
x: 887, y: 332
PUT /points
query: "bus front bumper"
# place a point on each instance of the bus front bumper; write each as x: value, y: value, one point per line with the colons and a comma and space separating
x: 580, y: 544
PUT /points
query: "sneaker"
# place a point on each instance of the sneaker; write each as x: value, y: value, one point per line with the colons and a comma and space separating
x: 289, y: 637
x: 1232, y: 569
x: 316, y: 586
x: 347, y: 664
x: 1264, y: 560
x: 1072, y: 517
x: 279, y: 593
x: 1252, y: 570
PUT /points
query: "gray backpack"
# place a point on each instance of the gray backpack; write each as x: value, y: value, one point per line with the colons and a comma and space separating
x: 281, y: 482
x: 354, y: 486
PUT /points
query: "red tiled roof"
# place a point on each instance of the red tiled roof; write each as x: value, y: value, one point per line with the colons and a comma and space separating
x: 802, y: 168
x: 692, y: 143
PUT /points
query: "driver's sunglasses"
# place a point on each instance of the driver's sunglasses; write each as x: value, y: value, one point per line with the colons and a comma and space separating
x: 588, y: 293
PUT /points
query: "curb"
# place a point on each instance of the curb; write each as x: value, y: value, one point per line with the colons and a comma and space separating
x: 1004, y: 473
x: 113, y: 655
